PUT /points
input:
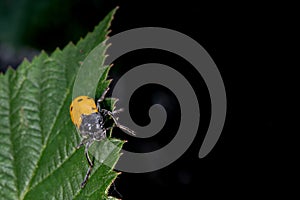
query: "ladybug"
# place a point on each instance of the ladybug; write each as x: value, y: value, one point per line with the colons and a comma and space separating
x: 89, y: 120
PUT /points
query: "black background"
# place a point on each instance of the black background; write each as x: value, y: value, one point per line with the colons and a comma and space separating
x: 239, y: 37
x: 242, y: 164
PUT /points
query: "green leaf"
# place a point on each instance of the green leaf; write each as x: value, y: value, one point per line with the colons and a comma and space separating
x: 38, y: 158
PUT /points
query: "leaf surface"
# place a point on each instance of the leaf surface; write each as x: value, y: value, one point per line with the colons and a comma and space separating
x: 38, y: 158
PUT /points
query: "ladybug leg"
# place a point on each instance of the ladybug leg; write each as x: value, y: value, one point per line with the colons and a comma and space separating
x: 86, y: 152
x: 117, y: 111
x: 111, y: 114
x: 83, y: 142
x: 91, y: 165
x: 79, y: 145
x: 101, y: 98
x: 88, y: 173
x: 125, y: 128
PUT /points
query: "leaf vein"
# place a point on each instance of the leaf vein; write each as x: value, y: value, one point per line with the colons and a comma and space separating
x: 46, y: 140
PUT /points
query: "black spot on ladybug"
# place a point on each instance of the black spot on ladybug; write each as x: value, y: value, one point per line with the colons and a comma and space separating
x: 79, y: 100
x: 71, y: 108
x: 94, y: 108
x: 88, y: 98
